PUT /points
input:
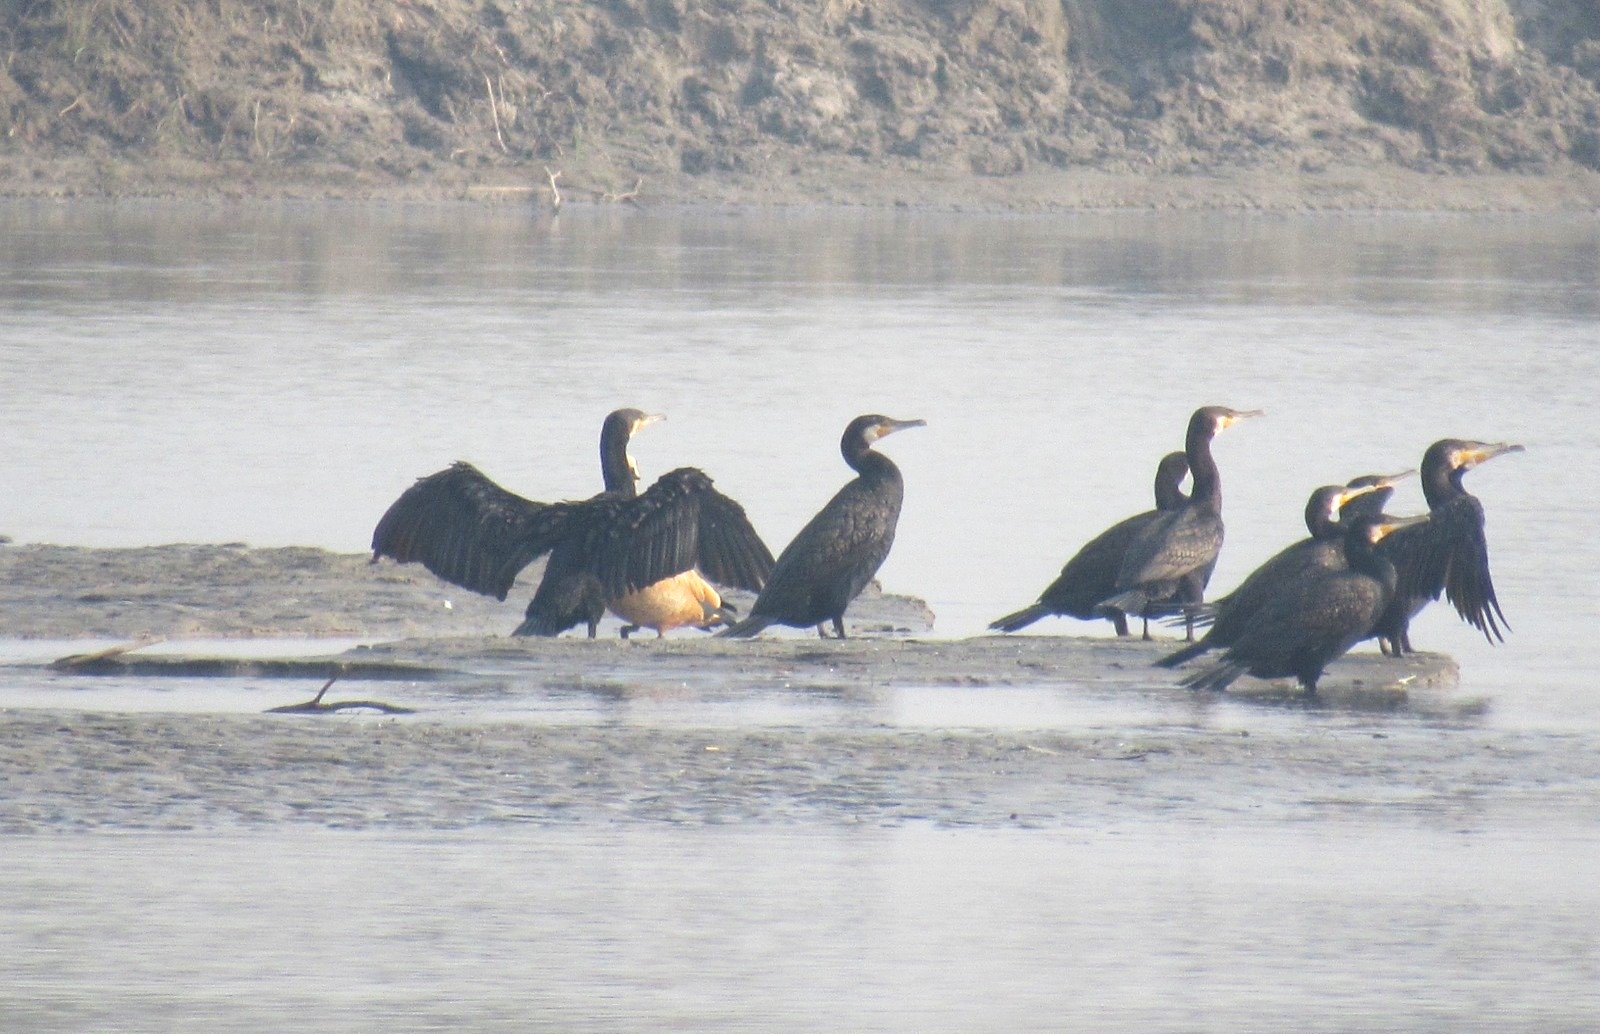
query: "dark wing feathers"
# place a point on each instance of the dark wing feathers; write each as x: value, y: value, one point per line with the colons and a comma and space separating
x: 678, y: 523
x: 1450, y: 555
x: 1468, y: 584
x: 1091, y: 575
x: 1171, y: 546
x: 731, y: 553
x: 468, y: 530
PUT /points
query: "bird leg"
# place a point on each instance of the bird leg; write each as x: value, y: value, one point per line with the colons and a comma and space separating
x: 628, y: 630
x: 838, y: 626
x: 1119, y: 621
x: 593, y: 625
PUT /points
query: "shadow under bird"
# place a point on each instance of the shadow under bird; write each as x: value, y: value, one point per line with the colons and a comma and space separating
x: 1450, y: 554
x: 1329, y: 512
x: 641, y: 554
x: 1091, y: 575
x: 1171, y: 559
x: 1310, y: 621
x: 833, y: 557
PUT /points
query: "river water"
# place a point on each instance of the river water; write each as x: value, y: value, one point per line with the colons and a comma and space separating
x: 278, y: 374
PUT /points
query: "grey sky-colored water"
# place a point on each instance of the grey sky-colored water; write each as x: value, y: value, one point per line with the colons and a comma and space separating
x: 277, y: 375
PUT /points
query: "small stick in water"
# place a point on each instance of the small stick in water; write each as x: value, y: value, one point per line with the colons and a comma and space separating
x: 316, y: 706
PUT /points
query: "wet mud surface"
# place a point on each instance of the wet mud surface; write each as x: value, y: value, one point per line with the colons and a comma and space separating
x: 1055, y: 731
x: 76, y: 770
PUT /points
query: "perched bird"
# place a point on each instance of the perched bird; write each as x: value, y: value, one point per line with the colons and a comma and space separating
x: 837, y: 553
x: 1307, y: 623
x: 1325, y: 518
x: 1450, y: 554
x: 1091, y: 575
x: 1172, y: 557
x: 644, y: 553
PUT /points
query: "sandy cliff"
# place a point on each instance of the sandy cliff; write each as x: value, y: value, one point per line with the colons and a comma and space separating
x: 875, y: 100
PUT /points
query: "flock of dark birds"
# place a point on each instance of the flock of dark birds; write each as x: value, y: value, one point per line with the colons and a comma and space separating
x: 653, y: 558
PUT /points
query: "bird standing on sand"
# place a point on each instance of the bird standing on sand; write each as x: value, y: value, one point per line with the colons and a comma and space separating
x: 641, y: 554
x: 1172, y: 558
x: 1449, y: 554
x: 837, y: 553
x: 1303, y: 626
x: 1091, y: 575
x: 1323, y: 551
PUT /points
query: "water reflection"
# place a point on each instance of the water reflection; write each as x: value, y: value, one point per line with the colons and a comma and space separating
x: 155, y: 252
x: 277, y: 374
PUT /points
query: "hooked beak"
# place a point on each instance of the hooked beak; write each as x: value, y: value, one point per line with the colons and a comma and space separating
x: 647, y: 420
x: 1390, y: 480
x: 891, y: 426
x: 1235, y: 415
x: 1469, y: 458
x: 1382, y: 531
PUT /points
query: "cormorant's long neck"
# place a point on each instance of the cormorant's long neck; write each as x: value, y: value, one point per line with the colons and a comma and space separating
x: 1318, y: 523
x: 1441, y: 483
x: 1169, y: 493
x: 1365, y: 559
x: 1207, y: 490
x: 614, y: 465
x: 874, y: 466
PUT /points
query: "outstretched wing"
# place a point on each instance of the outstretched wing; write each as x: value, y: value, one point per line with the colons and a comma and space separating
x: 1421, y: 558
x: 468, y: 530
x: 1449, y: 554
x: 1467, y: 583
x: 678, y: 523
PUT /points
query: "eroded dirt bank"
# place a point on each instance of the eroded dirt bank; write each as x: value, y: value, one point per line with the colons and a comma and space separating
x: 1347, y: 103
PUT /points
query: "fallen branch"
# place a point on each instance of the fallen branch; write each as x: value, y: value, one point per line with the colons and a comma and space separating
x: 494, y: 110
x: 316, y: 706
x: 73, y: 662
x: 630, y: 197
x: 555, y: 194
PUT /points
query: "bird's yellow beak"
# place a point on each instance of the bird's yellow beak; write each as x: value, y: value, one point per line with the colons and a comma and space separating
x: 1470, y: 458
x: 1235, y: 415
x: 1382, y: 531
x: 889, y: 427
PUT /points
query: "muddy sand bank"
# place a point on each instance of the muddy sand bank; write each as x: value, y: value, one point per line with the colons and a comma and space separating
x: 427, y: 630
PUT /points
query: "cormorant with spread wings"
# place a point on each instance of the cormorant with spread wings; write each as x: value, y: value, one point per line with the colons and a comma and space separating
x: 1449, y: 554
x: 641, y: 554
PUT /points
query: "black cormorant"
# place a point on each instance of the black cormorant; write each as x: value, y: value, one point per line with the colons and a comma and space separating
x: 1173, y: 556
x: 1329, y: 512
x: 1449, y: 554
x: 1309, y: 622
x: 1091, y: 575
x: 838, y: 552
x: 612, y: 547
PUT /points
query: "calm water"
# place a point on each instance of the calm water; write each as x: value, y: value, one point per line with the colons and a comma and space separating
x: 278, y: 375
